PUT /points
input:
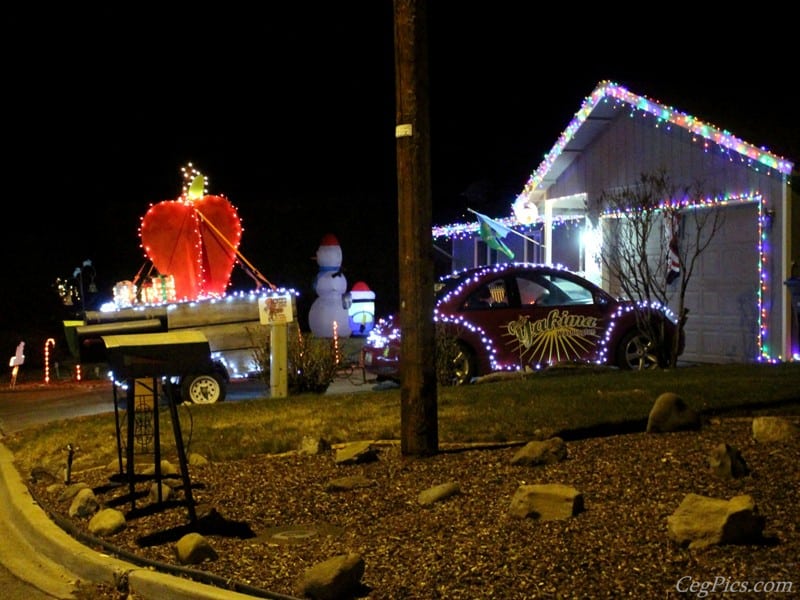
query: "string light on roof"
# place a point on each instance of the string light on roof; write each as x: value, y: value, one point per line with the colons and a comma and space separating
x: 607, y: 91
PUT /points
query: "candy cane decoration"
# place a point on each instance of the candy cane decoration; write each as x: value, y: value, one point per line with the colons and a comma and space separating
x: 50, y: 343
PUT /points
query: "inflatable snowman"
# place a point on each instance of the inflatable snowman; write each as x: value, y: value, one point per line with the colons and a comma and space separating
x: 331, y: 286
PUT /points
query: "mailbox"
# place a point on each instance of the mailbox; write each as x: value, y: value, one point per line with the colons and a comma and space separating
x: 158, y: 354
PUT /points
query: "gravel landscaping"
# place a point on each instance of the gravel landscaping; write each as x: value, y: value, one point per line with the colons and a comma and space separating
x: 269, y: 518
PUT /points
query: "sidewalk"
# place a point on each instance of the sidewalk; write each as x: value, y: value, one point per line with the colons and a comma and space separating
x: 39, y: 552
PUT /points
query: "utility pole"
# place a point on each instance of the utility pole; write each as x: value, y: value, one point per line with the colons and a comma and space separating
x: 418, y: 394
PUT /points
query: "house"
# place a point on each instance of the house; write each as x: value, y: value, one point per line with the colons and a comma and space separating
x: 740, y: 307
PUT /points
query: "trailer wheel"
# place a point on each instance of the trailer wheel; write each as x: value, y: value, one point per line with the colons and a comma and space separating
x: 205, y: 388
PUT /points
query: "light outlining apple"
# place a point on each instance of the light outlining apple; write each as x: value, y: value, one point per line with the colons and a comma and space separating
x: 194, y: 238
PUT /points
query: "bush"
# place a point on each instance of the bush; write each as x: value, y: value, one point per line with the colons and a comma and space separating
x: 312, y: 362
x: 447, y: 350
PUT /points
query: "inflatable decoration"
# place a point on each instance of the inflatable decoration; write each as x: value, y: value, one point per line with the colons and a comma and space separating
x: 328, y: 315
x: 194, y: 239
x: 362, y: 309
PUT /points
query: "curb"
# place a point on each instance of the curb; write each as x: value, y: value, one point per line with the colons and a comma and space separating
x: 51, y: 560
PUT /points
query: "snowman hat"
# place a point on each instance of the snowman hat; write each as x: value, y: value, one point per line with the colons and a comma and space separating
x: 328, y: 240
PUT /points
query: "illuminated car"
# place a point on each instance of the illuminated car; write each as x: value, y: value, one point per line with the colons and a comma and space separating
x: 526, y: 316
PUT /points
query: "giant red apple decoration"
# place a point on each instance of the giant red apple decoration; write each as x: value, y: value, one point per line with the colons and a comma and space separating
x: 194, y: 238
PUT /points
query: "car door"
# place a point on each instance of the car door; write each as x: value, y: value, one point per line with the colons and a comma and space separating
x: 555, y: 319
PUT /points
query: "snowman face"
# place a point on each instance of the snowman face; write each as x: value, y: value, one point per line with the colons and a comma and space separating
x: 329, y: 256
x: 328, y: 284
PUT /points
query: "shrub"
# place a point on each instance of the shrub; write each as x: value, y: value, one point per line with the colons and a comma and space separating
x: 447, y: 350
x: 312, y: 362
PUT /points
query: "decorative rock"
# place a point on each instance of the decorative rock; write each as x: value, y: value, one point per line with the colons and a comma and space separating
x: 193, y: 548
x: 773, y: 429
x: 313, y: 446
x: 107, y: 522
x: 701, y: 521
x: 342, y: 484
x: 546, y: 502
x: 69, y: 492
x: 547, y: 452
x: 336, y: 578
x: 671, y: 413
x: 197, y: 460
x: 166, y: 492
x: 167, y: 468
x: 727, y: 462
x: 356, y: 453
x: 42, y: 475
x: 84, y: 504
x: 438, y: 492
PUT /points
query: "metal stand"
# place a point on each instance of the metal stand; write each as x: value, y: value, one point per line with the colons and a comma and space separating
x: 155, y: 357
x: 136, y: 428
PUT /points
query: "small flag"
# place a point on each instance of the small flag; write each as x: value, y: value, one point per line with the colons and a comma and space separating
x: 492, y: 232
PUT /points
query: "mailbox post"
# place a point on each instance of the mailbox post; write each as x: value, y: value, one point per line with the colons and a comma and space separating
x: 277, y: 312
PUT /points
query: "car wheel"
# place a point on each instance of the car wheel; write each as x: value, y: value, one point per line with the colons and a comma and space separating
x: 464, y: 365
x: 637, y: 352
x: 203, y: 389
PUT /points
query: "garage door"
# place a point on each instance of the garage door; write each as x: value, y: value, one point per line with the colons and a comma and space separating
x: 722, y: 296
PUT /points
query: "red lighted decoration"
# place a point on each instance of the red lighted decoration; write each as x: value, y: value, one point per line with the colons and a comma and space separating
x: 194, y: 238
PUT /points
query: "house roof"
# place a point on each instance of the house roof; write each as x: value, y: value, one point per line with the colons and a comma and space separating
x: 597, y: 111
x: 601, y: 106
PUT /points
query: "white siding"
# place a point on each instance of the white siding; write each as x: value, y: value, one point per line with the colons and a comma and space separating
x: 723, y: 293
x: 722, y: 296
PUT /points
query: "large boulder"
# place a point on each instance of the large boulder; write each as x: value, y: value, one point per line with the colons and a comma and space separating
x: 193, y: 549
x: 671, y: 413
x: 106, y: 522
x: 546, y: 501
x: 334, y: 579
x: 701, y: 521
x: 774, y: 429
x: 545, y: 452
x: 727, y: 462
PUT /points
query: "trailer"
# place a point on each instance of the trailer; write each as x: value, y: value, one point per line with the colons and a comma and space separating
x: 237, y: 338
x: 191, y: 244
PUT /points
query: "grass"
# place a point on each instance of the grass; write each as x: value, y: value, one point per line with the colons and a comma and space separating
x: 508, y: 409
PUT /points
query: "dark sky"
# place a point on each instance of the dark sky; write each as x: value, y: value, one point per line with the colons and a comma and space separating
x: 288, y: 108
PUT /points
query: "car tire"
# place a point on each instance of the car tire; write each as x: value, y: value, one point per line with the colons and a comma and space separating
x: 204, y: 388
x: 635, y: 352
x: 464, y: 365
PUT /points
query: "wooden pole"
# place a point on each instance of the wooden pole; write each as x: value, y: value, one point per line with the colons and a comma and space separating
x: 418, y: 393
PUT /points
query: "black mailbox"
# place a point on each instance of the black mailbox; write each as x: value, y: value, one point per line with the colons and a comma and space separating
x: 158, y: 354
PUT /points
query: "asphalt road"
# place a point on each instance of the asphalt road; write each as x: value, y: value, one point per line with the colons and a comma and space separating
x: 29, y: 404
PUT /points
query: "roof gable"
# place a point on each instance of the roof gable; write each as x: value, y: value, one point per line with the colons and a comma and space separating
x: 597, y: 109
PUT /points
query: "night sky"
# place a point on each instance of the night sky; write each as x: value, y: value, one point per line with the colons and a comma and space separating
x: 288, y: 108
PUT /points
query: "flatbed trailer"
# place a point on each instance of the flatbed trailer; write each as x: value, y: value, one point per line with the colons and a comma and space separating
x: 232, y: 326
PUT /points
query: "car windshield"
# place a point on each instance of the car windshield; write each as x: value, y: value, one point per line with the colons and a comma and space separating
x: 544, y: 289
